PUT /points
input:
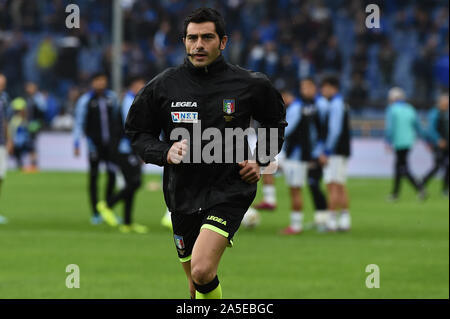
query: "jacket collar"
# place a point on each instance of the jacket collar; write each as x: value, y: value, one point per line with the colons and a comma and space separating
x: 218, y: 65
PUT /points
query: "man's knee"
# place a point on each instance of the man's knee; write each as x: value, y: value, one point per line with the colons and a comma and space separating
x: 202, y: 273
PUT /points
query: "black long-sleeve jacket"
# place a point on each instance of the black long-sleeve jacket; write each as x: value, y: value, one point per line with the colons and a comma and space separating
x: 219, y: 96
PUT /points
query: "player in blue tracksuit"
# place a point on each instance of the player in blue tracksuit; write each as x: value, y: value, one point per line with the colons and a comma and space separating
x: 438, y: 137
x: 129, y: 164
x: 96, y: 116
x: 336, y: 151
x: 301, y: 139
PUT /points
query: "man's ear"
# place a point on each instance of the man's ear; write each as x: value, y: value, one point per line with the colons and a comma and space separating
x: 223, y: 42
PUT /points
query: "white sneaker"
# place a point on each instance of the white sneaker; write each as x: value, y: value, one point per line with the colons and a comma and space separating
x: 345, y: 222
x: 320, y: 220
x: 332, y: 223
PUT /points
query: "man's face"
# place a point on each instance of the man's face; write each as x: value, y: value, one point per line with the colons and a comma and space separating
x: 30, y: 88
x: 328, y: 90
x: 443, y: 103
x: 308, y: 89
x: 203, y: 42
x: 100, y: 83
x: 136, y: 86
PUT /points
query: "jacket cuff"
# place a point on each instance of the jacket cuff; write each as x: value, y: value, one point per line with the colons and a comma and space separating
x: 261, y: 164
x: 164, y: 157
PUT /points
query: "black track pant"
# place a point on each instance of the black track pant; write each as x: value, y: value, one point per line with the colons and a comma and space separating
x: 440, y: 161
x: 314, y: 177
x: 130, y: 167
x: 402, y: 170
x: 95, y: 158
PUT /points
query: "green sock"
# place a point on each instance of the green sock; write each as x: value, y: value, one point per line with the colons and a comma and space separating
x: 214, y: 294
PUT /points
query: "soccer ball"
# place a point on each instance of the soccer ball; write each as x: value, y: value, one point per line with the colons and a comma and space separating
x: 251, y: 219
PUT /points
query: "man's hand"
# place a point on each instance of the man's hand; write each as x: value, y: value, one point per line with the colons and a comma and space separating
x: 250, y: 172
x: 442, y: 143
x: 323, y: 160
x: 177, y: 152
x: 76, y: 151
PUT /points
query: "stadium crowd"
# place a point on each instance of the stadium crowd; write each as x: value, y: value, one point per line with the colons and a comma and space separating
x: 286, y: 39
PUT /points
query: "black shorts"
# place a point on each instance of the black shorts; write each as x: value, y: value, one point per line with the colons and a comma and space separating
x: 223, y: 219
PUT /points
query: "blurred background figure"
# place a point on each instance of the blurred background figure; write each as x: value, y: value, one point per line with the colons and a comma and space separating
x: 402, y: 129
x: 96, y: 115
x: 301, y: 138
x: 437, y: 135
x: 129, y: 164
x: 309, y: 93
x: 36, y: 109
x: 5, y: 143
x: 19, y: 131
x: 336, y: 152
x: 295, y: 164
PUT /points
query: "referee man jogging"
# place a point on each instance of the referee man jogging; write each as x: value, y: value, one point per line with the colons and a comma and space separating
x: 208, y: 199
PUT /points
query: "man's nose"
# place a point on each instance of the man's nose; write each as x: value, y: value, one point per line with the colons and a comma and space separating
x: 199, y: 46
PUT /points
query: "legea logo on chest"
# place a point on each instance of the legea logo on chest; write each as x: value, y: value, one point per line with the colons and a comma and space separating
x: 184, y: 104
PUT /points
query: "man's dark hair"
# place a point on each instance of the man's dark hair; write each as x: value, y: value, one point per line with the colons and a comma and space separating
x: 134, y: 78
x: 330, y: 80
x: 98, y: 75
x: 308, y: 79
x: 206, y: 15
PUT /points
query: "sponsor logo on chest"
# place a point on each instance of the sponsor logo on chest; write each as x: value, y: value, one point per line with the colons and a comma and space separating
x: 184, y: 117
x: 184, y: 104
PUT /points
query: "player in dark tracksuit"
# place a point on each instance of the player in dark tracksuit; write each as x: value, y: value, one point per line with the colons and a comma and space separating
x: 36, y: 108
x: 315, y: 170
x: 129, y: 164
x: 205, y: 94
x: 96, y: 116
x: 438, y: 126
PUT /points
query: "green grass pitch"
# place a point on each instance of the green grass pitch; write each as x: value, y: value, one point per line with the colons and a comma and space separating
x: 49, y: 228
